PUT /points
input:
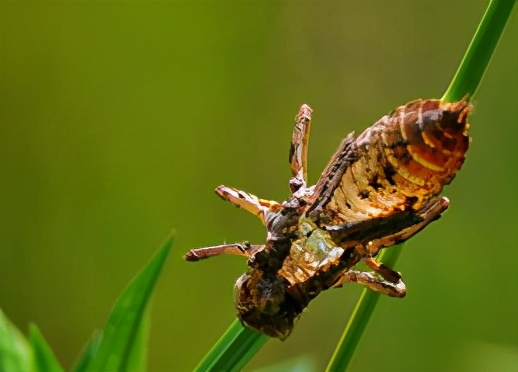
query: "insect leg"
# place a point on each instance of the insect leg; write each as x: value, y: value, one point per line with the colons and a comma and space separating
x: 373, y: 282
x: 299, y: 149
x: 239, y: 249
x: 386, y: 272
x: 377, y: 233
x: 429, y: 213
x: 248, y: 202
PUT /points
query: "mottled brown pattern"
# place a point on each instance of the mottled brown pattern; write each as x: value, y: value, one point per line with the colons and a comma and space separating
x: 378, y: 189
x: 404, y: 160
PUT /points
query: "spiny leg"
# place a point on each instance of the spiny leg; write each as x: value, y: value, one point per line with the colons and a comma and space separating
x: 373, y: 282
x: 244, y: 249
x: 248, y: 202
x: 299, y: 149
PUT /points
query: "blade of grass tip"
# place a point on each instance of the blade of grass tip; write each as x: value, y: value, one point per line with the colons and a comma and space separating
x: 359, y: 319
x: 481, y: 49
x: 122, y: 328
x: 233, y: 350
x: 15, y: 352
x: 43, y: 356
x: 465, y: 82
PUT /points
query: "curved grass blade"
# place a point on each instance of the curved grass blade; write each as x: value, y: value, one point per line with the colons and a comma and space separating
x: 244, y: 343
x: 43, y: 356
x: 137, y: 361
x: 120, y: 333
x: 233, y: 350
x: 465, y: 83
x: 480, y: 51
x: 88, y: 352
x: 15, y: 352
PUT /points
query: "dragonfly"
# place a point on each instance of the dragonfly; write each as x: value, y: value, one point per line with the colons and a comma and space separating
x: 379, y: 189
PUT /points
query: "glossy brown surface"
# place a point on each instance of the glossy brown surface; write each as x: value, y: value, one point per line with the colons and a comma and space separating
x: 378, y: 189
x: 404, y: 160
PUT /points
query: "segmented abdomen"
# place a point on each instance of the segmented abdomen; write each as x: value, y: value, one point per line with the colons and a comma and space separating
x: 403, y: 160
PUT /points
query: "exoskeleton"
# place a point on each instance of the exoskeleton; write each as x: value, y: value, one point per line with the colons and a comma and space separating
x: 379, y: 189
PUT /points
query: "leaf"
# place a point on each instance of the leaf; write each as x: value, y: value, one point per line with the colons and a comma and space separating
x: 137, y: 361
x: 120, y: 336
x: 299, y: 363
x: 233, y: 350
x: 465, y: 82
x: 43, y: 357
x: 480, y: 51
x: 88, y: 352
x: 359, y: 319
x: 15, y: 353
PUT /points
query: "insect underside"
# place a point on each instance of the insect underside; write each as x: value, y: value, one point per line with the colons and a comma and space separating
x: 379, y: 189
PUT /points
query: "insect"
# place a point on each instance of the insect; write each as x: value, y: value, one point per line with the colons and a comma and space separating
x: 379, y: 189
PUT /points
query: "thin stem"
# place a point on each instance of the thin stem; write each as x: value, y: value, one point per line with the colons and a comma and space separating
x: 464, y: 84
x: 233, y: 350
x: 359, y: 319
x: 238, y: 345
x: 480, y: 50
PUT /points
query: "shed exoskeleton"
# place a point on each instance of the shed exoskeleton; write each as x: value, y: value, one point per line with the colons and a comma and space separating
x: 379, y: 189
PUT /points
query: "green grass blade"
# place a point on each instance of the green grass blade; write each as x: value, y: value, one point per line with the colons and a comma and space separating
x: 88, y: 352
x: 360, y: 317
x: 43, y: 357
x: 233, y: 350
x: 15, y: 353
x: 481, y: 49
x: 236, y: 347
x: 121, y: 330
x: 137, y: 361
x: 465, y: 82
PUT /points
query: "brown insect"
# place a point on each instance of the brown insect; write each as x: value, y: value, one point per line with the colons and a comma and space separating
x: 379, y: 189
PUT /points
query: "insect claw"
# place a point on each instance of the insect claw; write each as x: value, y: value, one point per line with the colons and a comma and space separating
x: 192, y: 256
x: 371, y: 281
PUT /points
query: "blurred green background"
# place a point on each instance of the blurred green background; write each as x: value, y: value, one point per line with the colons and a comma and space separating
x: 117, y: 120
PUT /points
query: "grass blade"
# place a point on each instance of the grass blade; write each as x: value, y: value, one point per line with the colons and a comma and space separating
x: 236, y: 347
x: 15, y: 353
x: 137, y: 361
x: 120, y: 333
x: 480, y: 50
x: 88, y: 352
x: 465, y: 82
x: 359, y: 319
x: 233, y: 350
x: 43, y: 356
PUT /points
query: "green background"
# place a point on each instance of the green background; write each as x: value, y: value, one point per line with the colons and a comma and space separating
x: 117, y: 119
